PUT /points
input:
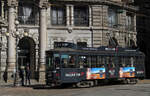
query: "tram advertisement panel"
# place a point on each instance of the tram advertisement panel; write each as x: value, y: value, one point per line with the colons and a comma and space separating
x: 127, y: 72
x: 95, y: 73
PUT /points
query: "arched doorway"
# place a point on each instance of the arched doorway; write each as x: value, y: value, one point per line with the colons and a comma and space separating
x: 26, y: 54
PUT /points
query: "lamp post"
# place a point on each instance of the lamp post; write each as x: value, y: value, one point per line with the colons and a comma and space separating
x: 17, y: 35
x: 0, y: 52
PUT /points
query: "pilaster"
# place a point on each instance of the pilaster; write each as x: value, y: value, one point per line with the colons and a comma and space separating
x: 43, y: 32
x: 11, y: 60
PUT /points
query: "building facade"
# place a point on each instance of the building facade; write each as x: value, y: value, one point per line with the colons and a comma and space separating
x: 30, y: 27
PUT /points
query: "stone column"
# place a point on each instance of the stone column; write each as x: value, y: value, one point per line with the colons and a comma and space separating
x: 68, y: 15
x: 2, y: 9
x: 90, y: 16
x: 42, y: 35
x: 72, y: 14
x: 11, y: 59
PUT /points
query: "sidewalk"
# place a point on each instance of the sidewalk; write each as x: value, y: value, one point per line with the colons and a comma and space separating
x: 10, y: 83
x: 35, y: 83
x: 145, y: 81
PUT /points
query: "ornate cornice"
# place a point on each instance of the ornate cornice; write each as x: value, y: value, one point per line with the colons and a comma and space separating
x: 103, y: 2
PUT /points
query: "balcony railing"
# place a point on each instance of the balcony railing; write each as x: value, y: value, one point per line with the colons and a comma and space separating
x: 24, y: 20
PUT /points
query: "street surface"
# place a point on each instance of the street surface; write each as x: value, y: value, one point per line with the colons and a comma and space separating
x: 107, y: 90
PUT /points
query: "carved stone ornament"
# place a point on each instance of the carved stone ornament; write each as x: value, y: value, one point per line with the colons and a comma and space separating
x: 43, y: 4
x: 13, y: 3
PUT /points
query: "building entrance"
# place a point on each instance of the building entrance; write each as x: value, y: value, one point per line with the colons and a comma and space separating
x: 26, y: 54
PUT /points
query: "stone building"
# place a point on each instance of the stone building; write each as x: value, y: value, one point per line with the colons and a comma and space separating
x: 42, y: 23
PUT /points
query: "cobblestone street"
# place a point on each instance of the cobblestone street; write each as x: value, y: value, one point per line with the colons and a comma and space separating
x: 140, y: 89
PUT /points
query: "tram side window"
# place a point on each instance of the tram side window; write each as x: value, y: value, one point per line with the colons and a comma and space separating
x: 139, y: 61
x: 100, y: 61
x: 83, y: 62
x: 132, y: 59
x: 64, y: 61
x: 93, y: 61
x: 126, y: 61
x: 72, y: 61
x: 121, y: 62
x: 110, y: 61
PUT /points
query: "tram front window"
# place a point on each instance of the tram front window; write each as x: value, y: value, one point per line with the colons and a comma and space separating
x: 56, y: 61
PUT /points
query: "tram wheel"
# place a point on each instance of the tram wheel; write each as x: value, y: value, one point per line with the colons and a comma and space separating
x: 126, y: 81
x: 85, y: 84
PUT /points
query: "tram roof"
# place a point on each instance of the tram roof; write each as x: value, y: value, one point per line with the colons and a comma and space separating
x: 100, y: 50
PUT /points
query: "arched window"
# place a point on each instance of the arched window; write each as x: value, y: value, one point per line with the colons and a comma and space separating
x: 112, y: 17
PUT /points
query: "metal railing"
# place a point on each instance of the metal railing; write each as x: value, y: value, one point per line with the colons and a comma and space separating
x: 24, y: 20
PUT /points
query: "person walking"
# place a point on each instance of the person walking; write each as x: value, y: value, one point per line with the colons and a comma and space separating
x: 28, y: 74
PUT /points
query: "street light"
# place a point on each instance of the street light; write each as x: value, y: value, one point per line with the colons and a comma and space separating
x: 17, y: 35
x: 0, y: 52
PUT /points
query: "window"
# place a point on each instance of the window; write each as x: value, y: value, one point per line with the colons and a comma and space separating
x: 110, y: 61
x: 64, y: 61
x: 93, y: 61
x: 82, y: 62
x: 58, y: 15
x: 81, y: 16
x: 72, y: 61
x: 100, y: 61
x: 27, y: 13
x: 81, y: 44
x: 112, y: 17
x: 64, y: 45
x: 130, y: 21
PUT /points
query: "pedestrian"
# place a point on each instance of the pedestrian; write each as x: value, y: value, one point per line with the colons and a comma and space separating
x: 21, y: 74
x: 5, y: 77
x: 28, y: 74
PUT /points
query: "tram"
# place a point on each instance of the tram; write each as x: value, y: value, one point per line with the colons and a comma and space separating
x: 86, y: 67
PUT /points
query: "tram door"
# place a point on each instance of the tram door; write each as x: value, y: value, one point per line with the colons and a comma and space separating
x: 111, y: 67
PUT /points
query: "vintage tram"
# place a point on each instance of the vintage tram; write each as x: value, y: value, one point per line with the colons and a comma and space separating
x: 86, y: 67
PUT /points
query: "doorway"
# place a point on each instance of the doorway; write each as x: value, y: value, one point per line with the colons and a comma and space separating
x: 26, y: 54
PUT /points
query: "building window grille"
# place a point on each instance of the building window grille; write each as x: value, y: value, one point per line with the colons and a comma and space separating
x: 81, y: 16
x: 112, y: 17
x: 27, y: 13
x: 130, y: 22
x: 58, y: 15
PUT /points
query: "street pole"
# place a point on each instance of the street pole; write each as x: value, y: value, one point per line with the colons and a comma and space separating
x: 91, y: 29
x: 16, y: 65
x: 0, y: 55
